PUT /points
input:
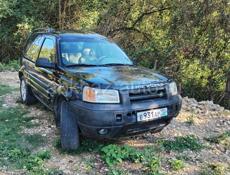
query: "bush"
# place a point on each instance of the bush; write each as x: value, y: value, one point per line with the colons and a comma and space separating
x: 189, y: 142
x: 10, y: 66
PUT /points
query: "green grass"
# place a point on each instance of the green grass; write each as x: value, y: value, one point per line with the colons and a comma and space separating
x: 35, y: 140
x: 10, y: 66
x: 189, y: 142
x: 4, y: 89
x: 18, y: 150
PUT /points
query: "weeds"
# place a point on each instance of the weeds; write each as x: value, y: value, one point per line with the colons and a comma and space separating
x: 189, y: 142
x: 176, y: 164
x: 154, y: 166
x: 113, y: 154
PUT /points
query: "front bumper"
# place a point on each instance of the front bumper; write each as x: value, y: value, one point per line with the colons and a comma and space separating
x: 121, y: 119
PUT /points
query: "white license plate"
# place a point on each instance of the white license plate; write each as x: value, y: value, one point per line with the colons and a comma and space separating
x: 152, y: 114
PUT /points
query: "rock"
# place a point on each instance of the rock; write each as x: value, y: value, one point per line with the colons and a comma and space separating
x: 5, y: 106
x: 35, y: 121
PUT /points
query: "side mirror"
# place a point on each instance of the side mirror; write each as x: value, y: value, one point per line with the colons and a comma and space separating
x: 44, y: 63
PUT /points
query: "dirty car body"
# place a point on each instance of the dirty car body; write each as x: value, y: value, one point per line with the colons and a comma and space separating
x: 105, y: 92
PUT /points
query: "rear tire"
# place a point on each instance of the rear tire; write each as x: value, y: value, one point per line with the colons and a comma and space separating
x: 27, y: 96
x: 69, y: 128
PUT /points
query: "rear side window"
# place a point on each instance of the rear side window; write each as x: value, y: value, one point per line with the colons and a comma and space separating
x: 48, y: 50
x: 33, y: 50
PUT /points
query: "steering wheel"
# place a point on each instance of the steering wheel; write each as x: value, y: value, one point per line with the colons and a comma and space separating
x: 80, y: 60
x: 99, y: 60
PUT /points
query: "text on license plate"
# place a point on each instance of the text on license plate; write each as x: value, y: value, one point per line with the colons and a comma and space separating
x: 152, y: 114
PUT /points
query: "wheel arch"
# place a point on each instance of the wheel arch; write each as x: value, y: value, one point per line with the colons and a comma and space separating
x: 20, y: 74
x: 58, y: 98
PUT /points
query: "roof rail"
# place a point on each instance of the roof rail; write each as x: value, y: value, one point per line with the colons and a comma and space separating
x: 44, y: 30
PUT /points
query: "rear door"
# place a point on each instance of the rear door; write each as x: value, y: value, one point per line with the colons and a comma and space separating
x: 29, y: 58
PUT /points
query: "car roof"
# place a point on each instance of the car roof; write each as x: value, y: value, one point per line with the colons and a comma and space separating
x: 69, y: 34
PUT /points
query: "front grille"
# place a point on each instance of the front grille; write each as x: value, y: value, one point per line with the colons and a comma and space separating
x: 147, y: 94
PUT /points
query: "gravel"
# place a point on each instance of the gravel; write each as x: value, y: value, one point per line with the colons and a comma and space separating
x: 208, y: 119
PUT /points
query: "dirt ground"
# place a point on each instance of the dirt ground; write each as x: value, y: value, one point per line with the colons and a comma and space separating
x: 202, y: 119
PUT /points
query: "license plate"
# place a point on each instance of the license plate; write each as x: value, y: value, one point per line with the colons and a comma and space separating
x: 152, y: 114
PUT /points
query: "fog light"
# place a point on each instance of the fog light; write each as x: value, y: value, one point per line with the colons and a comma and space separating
x: 103, y: 131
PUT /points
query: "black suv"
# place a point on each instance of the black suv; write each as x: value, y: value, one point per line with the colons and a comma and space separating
x: 93, y: 88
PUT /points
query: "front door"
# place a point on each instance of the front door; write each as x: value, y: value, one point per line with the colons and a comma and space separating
x: 45, y: 76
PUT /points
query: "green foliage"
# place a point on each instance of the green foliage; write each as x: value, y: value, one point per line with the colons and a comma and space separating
x: 113, y: 154
x: 187, y: 40
x: 176, y: 164
x: 10, y: 66
x: 154, y: 166
x: 189, y: 142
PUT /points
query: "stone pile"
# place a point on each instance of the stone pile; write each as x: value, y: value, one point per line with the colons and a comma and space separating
x: 202, y: 107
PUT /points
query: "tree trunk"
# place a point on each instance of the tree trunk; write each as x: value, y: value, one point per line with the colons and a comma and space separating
x: 228, y: 86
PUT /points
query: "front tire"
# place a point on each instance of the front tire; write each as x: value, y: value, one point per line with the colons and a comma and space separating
x: 27, y: 96
x: 69, y: 128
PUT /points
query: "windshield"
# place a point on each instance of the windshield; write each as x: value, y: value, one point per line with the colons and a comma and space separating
x: 92, y: 52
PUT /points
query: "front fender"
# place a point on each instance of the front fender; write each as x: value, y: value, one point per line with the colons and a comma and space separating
x: 21, y: 72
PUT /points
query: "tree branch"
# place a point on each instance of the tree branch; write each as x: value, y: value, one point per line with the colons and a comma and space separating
x: 139, y: 19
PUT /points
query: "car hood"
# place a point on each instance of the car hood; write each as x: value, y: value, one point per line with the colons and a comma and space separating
x: 117, y: 77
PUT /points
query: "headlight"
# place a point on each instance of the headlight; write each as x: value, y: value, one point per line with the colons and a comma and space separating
x: 95, y: 95
x: 173, y: 88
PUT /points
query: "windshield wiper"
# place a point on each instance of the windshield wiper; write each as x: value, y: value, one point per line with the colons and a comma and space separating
x: 116, y: 64
x: 76, y: 65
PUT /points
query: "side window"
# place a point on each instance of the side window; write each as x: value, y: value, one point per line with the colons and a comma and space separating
x: 33, y: 50
x: 48, y: 50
